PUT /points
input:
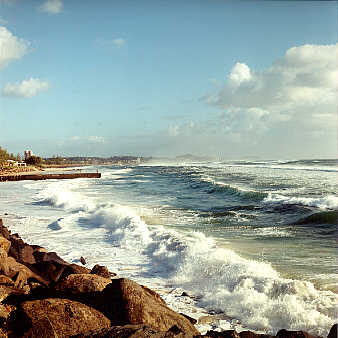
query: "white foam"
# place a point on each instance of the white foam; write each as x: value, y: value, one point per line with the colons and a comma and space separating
x: 250, y: 292
x: 326, y: 202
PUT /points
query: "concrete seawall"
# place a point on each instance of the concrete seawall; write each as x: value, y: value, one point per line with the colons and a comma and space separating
x: 37, y: 177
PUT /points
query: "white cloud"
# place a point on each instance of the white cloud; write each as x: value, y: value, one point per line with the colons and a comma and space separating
x: 11, y: 47
x: 90, y: 139
x: 26, y: 88
x: 300, y: 88
x: 52, y: 6
x: 173, y: 131
x: 118, y: 42
x: 240, y: 73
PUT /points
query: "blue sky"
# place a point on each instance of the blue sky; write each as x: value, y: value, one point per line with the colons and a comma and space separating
x: 218, y: 77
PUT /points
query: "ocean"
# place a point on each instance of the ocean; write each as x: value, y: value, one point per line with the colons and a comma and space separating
x: 251, y: 244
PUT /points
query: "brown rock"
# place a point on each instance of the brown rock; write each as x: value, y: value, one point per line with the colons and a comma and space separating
x: 5, y: 243
x: 223, y: 334
x: 249, y: 334
x: 142, y: 331
x: 4, y: 231
x: 53, y: 270
x: 101, y: 271
x: 55, y: 317
x: 82, y: 283
x: 20, y: 251
x: 4, y: 280
x: 191, y: 320
x: 131, y: 303
x: 293, y: 334
x: 333, y: 332
x: 83, y: 261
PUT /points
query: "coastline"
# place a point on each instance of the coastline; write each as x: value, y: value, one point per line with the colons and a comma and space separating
x: 57, y: 283
x: 173, y: 296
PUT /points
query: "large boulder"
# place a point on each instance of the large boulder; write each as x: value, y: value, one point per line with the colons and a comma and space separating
x: 82, y: 283
x: 126, y: 302
x: 333, y: 332
x: 102, y: 271
x: 293, y: 334
x: 20, y: 251
x: 55, y: 270
x: 54, y: 317
x: 142, y: 331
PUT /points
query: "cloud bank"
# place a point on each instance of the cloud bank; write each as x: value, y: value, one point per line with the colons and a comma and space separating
x: 11, y: 47
x: 25, y: 89
x: 288, y: 109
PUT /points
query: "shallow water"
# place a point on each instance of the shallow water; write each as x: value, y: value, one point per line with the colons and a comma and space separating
x: 232, y: 234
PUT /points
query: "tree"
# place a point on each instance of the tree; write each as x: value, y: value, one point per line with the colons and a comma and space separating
x: 34, y: 160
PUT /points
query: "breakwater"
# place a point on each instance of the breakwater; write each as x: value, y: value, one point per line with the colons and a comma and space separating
x: 37, y: 177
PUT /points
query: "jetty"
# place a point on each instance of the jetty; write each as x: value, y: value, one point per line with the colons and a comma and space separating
x: 37, y: 177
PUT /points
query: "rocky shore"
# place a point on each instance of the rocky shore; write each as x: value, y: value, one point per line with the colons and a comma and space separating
x: 41, y: 295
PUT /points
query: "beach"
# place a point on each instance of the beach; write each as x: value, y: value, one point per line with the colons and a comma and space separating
x: 229, y: 264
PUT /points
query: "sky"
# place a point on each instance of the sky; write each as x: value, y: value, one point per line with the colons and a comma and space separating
x: 225, y: 78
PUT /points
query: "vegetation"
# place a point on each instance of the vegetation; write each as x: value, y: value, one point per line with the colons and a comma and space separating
x: 34, y: 160
x: 4, y: 156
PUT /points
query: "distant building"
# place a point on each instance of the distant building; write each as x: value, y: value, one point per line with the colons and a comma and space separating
x: 28, y: 154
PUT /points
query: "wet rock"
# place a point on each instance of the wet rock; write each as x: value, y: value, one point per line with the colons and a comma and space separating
x: 223, y: 334
x: 249, y: 334
x: 82, y: 283
x: 83, y: 261
x: 293, y: 334
x: 55, y: 317
x: 20, y: 251
x: 333, y: 332
x: 102, y: 271
x: 131, y: 303
x: 191, y: 320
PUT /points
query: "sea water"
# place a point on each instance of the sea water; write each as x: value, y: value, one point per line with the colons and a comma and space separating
x: 228, y: 238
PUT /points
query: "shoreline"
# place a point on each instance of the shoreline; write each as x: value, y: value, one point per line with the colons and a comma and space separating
x: 175, y: 294
x: 75, y: 284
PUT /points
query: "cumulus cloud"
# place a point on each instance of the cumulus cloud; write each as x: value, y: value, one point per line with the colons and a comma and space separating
x: 25, y: 89
x: 299, y: 90
x: 52, y: 6
x: 11, y: 47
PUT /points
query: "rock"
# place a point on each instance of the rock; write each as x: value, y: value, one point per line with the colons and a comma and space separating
x: 55, y: 270
x: 191, y: 320
x: 102, y: 271
x: 223, y: 334
x: 293, y: 334
x: 131, y: 303
x: 142, y: 331
x: 54, y: 317
x: 83, y: 261
x: 41, y: 255
x: 4, y: 313
x: 4, y: 231
x: 333, y: 332
x: 20, y: 251
x: 4, y: 280
x: 5, y: 291
x: 249, y: 334
x: 5, y: 243
x: 82, y: 283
